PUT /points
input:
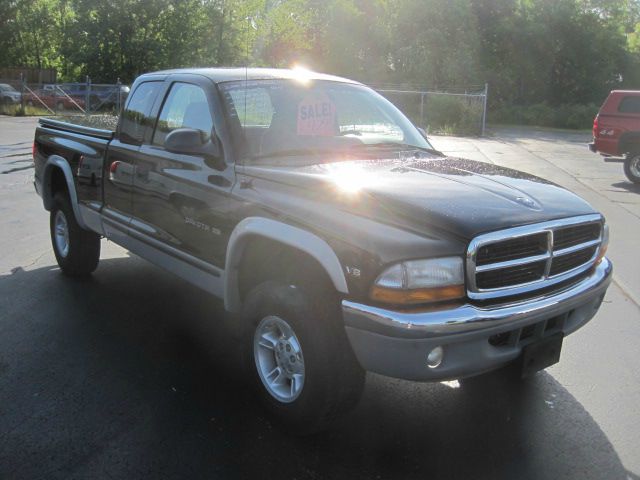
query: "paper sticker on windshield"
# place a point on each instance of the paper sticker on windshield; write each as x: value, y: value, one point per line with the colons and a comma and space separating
x: 317, y: 116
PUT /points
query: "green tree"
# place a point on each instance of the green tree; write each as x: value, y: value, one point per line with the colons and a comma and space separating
x: 530, y: 51
x: 434, y: 43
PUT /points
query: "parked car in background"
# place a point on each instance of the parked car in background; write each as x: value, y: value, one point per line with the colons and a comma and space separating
x: 54, y: 98
x: 108, y: 95
x: 616, y: 130
x: 62, y: 96
x: 9, y: 95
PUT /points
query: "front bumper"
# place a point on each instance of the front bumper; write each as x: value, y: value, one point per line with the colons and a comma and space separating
x: 475, y: 339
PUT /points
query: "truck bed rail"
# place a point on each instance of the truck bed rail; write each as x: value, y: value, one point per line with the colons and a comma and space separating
x: 75, y: 128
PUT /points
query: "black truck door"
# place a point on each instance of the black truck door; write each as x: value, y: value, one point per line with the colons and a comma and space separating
x: 181, y: 199
x: 119, y: 164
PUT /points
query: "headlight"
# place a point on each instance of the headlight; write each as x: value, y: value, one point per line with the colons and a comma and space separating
x: 604, y: 244
x: 420, y: 281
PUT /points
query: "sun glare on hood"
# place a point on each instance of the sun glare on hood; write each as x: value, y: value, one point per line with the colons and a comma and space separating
x: 351, y: 178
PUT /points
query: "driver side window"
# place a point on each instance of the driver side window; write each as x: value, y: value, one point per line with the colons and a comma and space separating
x: 186, y: 106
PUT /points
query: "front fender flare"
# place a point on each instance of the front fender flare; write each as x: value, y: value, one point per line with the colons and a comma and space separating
x: 53, y: 162
x: 298, y: 238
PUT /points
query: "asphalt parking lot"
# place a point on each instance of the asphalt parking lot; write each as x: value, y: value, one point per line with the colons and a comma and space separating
x: 129, y: 375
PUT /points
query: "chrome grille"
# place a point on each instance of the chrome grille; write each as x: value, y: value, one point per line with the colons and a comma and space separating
x: 524, y: 259
x: 511, y: 249
x: 508, y: 276
x: 573, y: 260
x: 571, y: 236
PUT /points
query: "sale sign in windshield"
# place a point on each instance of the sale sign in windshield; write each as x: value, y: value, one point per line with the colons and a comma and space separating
x: 317, y: 116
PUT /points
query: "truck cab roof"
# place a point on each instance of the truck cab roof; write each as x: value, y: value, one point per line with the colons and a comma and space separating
x: 231, y: 74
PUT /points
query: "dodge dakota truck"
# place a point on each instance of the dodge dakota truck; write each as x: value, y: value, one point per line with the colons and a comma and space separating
x: 338, y: 238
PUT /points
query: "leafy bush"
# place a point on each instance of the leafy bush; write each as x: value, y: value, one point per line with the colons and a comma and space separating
x: 573, y: 116
x: 451, y: 115
x: 19, y: 111
x: 444, y: 114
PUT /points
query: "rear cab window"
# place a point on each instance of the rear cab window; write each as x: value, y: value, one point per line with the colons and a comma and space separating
x: 136, y: 118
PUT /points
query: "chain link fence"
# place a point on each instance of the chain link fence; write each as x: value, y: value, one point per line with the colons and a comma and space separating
x: 454, y: 111
x: 18, y: 97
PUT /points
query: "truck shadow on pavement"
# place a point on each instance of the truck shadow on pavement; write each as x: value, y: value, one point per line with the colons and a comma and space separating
x: 131, y: 374
x: 631, y: 187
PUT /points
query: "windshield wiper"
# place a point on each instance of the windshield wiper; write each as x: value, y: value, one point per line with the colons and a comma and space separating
x: 399, y: 146
x: 294, y: 152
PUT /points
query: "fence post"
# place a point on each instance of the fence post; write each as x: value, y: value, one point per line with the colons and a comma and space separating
x: 484, y: 107
x: 118, y: 104
x: 87, y: 99
x: 22, y: 91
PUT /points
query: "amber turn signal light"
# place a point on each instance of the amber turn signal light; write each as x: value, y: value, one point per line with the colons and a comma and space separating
x: 417, y: 296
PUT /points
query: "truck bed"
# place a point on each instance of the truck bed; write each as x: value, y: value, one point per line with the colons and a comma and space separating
x: 102, y: 126
x: 78, y: 148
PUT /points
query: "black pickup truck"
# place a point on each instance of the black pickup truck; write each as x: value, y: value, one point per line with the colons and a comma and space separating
x: 339, y: 239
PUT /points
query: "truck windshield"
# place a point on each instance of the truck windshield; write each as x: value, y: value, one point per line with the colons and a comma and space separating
x: 290, y: 120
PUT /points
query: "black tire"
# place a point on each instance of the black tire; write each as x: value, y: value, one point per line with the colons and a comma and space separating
x: 632, y: 167
x: 83, y: 247
x: 333, y: 379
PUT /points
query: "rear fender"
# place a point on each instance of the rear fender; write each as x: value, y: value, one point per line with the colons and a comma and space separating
x: 57, y: 162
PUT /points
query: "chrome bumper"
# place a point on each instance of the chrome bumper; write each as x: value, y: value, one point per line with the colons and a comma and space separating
x: 396, y: 343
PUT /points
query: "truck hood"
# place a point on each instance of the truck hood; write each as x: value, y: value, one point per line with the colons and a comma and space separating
x: 462, y: 197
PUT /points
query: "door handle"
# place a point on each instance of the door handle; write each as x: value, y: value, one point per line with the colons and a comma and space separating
x: 113, y: 168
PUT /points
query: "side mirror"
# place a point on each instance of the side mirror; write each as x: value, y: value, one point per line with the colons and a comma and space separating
x: 422, y: 131
x: 189, y: 141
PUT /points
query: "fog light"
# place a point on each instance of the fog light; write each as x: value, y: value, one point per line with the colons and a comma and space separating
x: 434, y: 359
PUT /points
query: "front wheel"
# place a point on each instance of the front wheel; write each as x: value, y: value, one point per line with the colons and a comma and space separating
x: 632, y: 167
x: 77, y: 250
x: 299, y: 358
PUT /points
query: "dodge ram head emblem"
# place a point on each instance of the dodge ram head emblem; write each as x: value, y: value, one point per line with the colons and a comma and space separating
x: 527, y: 202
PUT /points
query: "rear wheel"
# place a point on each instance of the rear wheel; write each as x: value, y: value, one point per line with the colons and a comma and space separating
x: 632, y: 167
x: 298, y: 356
x: 77, y: 250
